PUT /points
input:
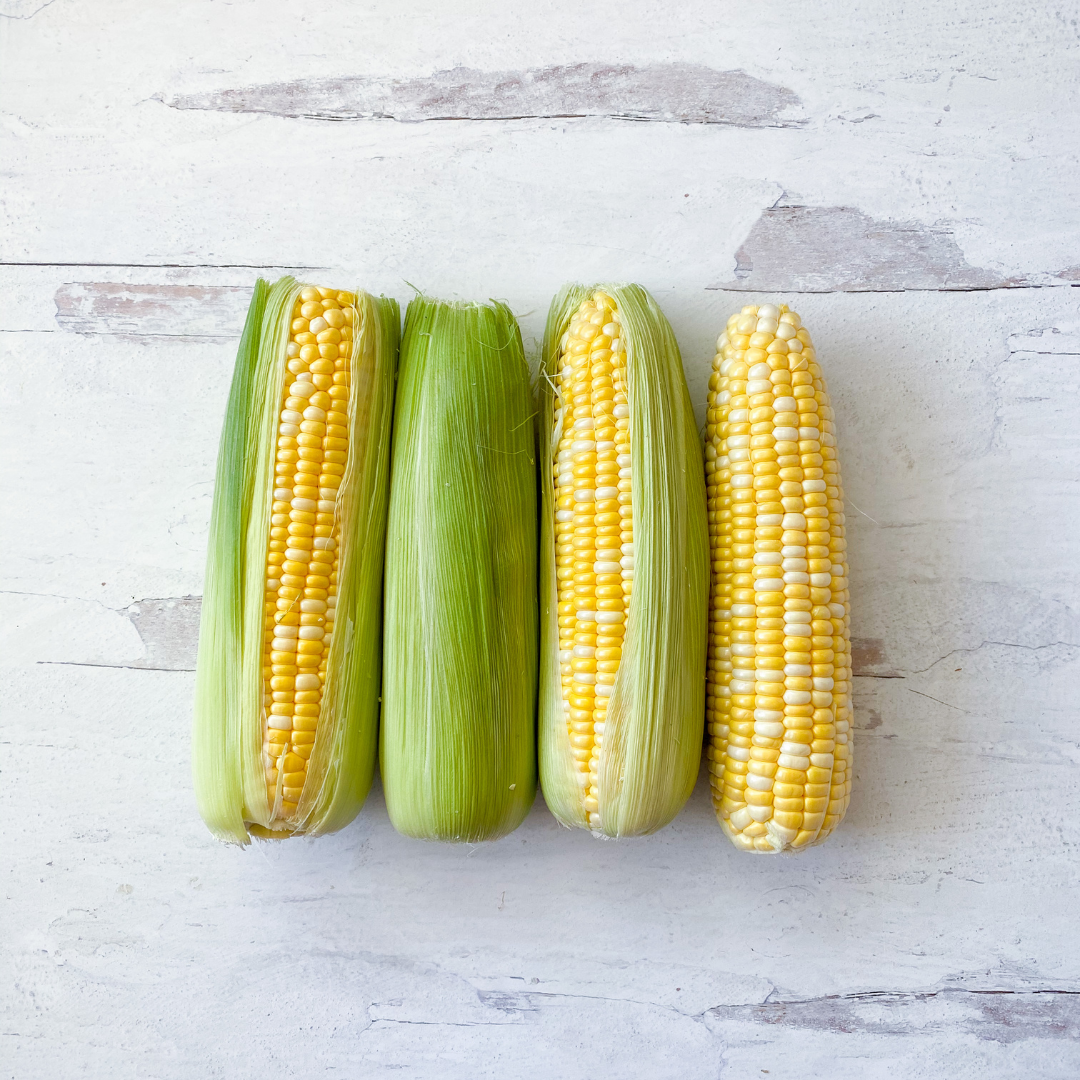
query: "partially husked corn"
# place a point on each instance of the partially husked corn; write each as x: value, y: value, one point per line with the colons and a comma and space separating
x: 779, y: 693
x: 625, y: 566
x: 457, y: 743
x: 289, y: 648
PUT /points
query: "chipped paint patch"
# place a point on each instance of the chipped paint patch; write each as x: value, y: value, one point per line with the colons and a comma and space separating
x: 868, y: 659
x: 153, y: 634
x: 669, y: 93
x: 169, y: 629
x: 872, y: 720
x: 1000, y: 1016
x: 208, y: 312
x: 841, y: 249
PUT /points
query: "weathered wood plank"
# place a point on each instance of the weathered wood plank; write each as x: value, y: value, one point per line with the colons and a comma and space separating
x: 670, y: 93
x: 169, y: 631
x: 966, y: 149
x: 853, y: 960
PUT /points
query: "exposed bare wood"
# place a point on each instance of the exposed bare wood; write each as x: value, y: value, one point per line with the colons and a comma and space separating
x: 169, y: 629
x: 841, y: 249
x: 188, y: 311
x: 868, y: 658
x: 999, y: 1016
x: 670, y: 93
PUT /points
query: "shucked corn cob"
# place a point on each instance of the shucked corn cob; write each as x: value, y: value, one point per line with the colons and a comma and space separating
x: 779, y: 711
x: 457, y: 745
x: 288, y: 670
x: 624, y: 566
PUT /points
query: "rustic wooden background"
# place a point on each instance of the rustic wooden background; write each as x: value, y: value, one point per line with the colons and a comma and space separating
x: 904, y: 175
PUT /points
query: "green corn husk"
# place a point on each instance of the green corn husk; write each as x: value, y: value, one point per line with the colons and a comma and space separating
x: 227, y: 756
x: 651, y: 748
x: 457, y: 743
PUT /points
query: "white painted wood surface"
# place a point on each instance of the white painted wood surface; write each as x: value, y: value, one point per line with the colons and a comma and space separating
x: 904, y: 175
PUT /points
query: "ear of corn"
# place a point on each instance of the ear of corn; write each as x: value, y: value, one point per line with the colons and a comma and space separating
x: 779, y: 710
x: 624, y: 566
x: 457, y: 741
x: 287, y: 681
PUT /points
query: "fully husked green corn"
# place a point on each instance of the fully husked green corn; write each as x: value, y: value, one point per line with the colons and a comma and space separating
x: 458, y: 758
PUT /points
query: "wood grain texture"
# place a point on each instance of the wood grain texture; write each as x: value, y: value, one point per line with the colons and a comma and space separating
x: 906, y: 179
